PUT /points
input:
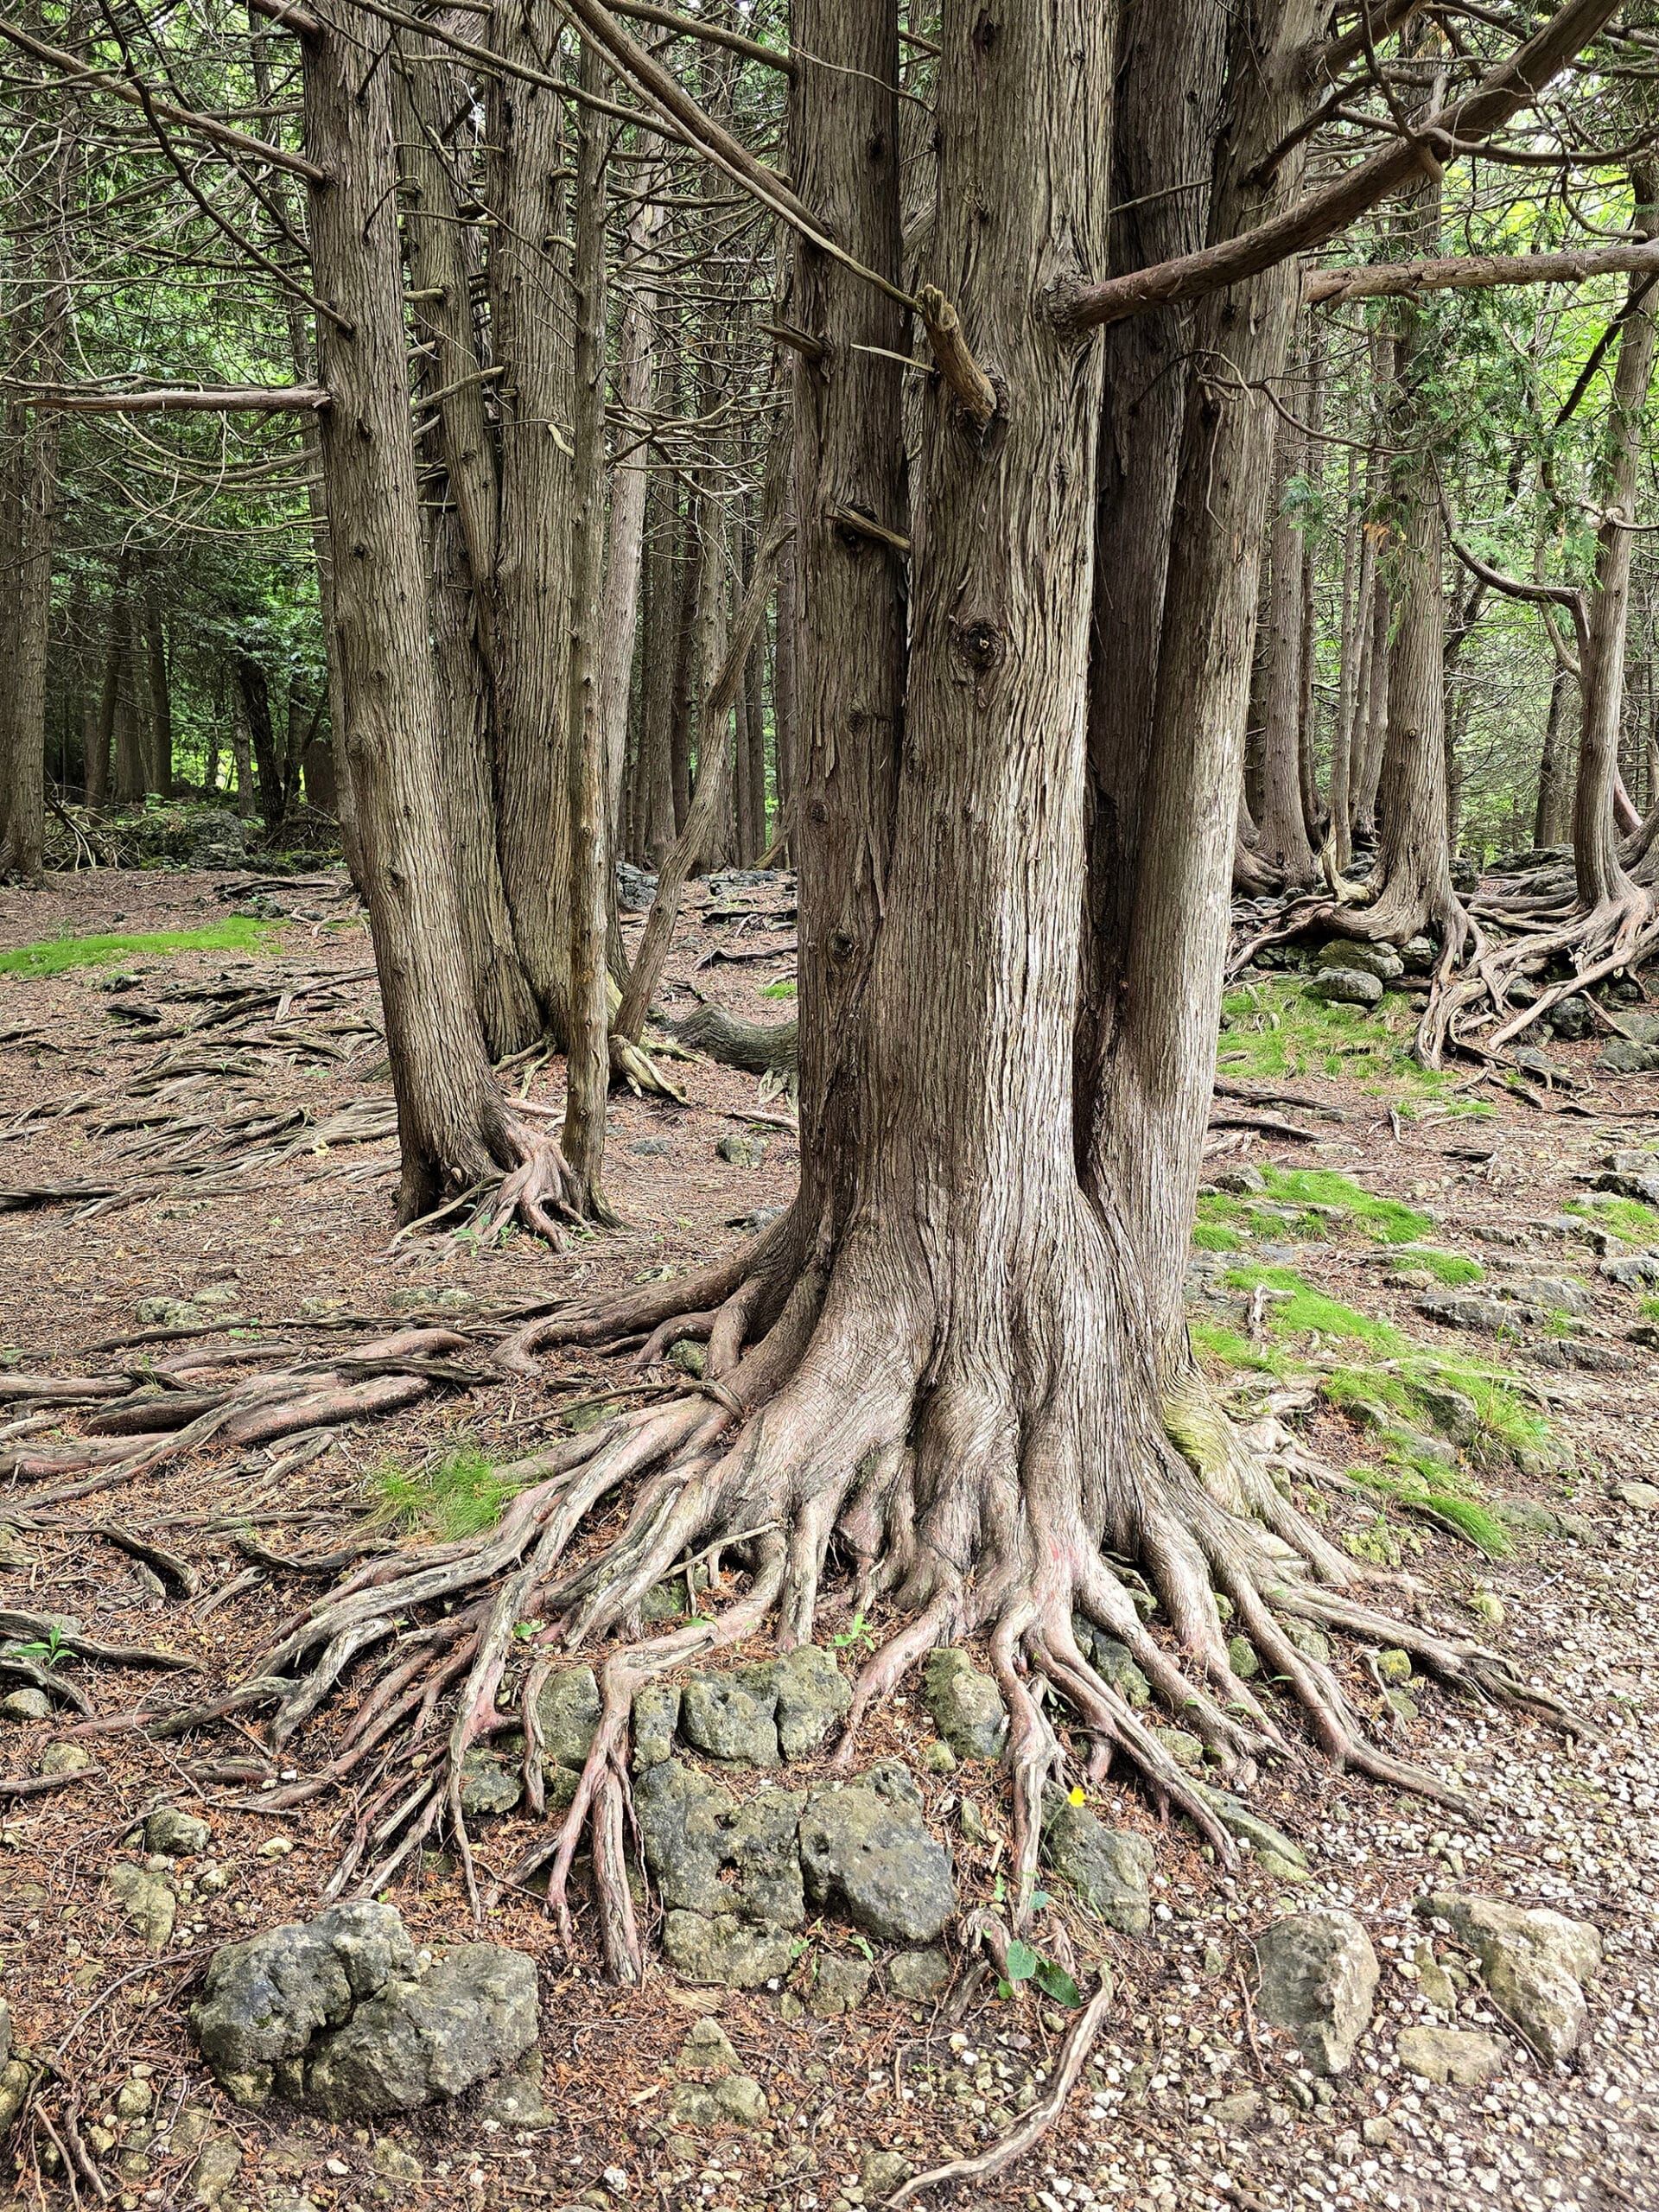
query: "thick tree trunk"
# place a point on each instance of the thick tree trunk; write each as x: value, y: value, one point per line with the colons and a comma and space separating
x: 130, y: 780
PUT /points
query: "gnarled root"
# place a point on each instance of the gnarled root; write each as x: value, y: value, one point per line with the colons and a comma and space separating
x: 1618, y: 933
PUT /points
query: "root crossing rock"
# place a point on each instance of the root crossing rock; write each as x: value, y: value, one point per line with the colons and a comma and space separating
x: 339, y: 2013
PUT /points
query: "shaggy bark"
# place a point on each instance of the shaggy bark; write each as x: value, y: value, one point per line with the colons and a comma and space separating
x: 1281, y: 823
x: 1551, y: 817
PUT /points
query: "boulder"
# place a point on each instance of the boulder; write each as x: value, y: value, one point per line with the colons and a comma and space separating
x: 732, y: 1716
x: 265, y: 1998
x: 468, y: 2017
x: 1419, y: 954
x: 1318, y: 1978
x: 1270, y: 1844
x: 741, y: 1152
x: 1342, y: 953
x: 866, y: 1847
x: 1110, y: 1869
x: 1624, y: 1056
x: 176, y: 1835
x: 1532, y: 1963
x: 1346, y: 986
x: 1463, y: 2056
x: 1635, y: 1271
x: 966, y: 1705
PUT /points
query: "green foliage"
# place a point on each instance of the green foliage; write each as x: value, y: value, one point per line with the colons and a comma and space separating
x: 783, y: 988
x: 1216, y: 1236
x: 1410, y: 1484
x: 1389, y: 1221
x: 459, y: 1493
x: 51, y: 956
x: 1224, y: 1347
x: 1025, y: 1964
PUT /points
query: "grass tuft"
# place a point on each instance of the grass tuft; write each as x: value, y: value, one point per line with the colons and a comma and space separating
x: 1388, y: 1220
x: 1450, y: 1268
x: 460, y: 1493
x: 52, y: 955
x: 1626, y: 1218
x: 1300, y: 1310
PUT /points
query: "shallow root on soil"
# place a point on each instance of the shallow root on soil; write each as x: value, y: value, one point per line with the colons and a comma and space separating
x: 1473, y: 1010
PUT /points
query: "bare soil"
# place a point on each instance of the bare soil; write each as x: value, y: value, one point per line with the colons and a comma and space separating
x: 303, y: 1244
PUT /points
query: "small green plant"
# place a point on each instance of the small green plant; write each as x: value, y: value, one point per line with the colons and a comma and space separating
x: 48, y: 1651
x: 857, y: 1636
x: 459, y: 1493
x: 1295, y: 1308
x: 1025, y: 1964
x: 1389, y: 1221
x: 51, y: 956
x: 1626, y: 1218
x: 1216, y: 1236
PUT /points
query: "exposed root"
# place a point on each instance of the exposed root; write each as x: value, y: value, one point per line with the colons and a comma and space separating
x: 1037, y: 2122
x: 1473, y: 1010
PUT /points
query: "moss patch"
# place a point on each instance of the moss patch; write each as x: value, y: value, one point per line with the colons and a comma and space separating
x: 459, y: 1494
x: 1448, y: 1267
x: 1295, y: 1308
x: 240, y: 933
x: 1626, y: 1218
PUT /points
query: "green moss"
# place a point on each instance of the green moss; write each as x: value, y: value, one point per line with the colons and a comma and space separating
x: 458, y: 1494
x: 784, y: 988
x: 1448, y: 1267
x: 1626, y: 1218
x: 1300, y: 1310
x: 240, y: 933
x: 1223, y: 1347
x: 1387, y: 1220
x: 1425, y: 1492
x: 1216, y: 1236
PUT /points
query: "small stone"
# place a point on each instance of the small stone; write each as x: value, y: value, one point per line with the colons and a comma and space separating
x: 392, y: 2163
x: 1532, y: 1962
x: 275, y: 1847
x: 1238, y: 2112
x: 740, y: 1150
x: 1643, y: 1496
x: 1395, y: 1667
x: 1243, y: 1181
x: 812, y: 1693
x: 651, y: 1147
x: 216, y: 2164
x: 1187, y: 1751
x: 148, y: 1900
x: 1487, y: 1607
x: 707, y: 2050
x: 965, y: 1704
x: 1624, y: 1056
x: 1378, y: 2133
x: 176, y: 1835
x: 740, y: 2097
x: 1241, y: 1657
x: 839, y: 1986
x: 488, y: 1785
x: 1403, y: 1707
x: 134, y: 2099
x: 1463, y: 2056
x: 688, y: 1356
x: 1318, y: 1978
x: 65, y: 1758
x: 882, y: 2172
x: 1433, y: 1980
x: 919, y: 1975
x: 939, y: 1758
x: 28, y: 1704
x: 1311, y: 1642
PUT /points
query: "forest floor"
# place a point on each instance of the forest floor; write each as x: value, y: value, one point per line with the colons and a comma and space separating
x: 1307, y: 1285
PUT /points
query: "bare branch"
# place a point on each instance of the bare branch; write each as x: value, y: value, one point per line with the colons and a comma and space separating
x: 232, y: 399
x: 1476, y: 272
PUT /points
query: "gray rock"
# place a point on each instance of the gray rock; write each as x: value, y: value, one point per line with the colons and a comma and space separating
x: 1462, y: 2055
x: 695, y: 1835
x: 1318, y: 1978
x: 218, y: 842
x: 468, y: 2017
x: 1419, y: 954
x: 739, y: 2097
x: 655, y: 1716
x: 1643, y: 1496
x: 721, y: 1948
x: 568, y: 1710
x: 176, y: 1835
x: 265, y: 1998
x: 651, y: 1147
x: 1344, y: 954
x: 1624, y: 1056
x: 1187, y: 1751
x: 28, y: 1704
x: 392, y: 2163
x: 707, y: 2050
x: 920, y: 1975
x: 635, y: 890
x: 1632, y: 1181
x: 1242, y: 1657
x: 1455, y: 1309
x: 488, y: 1785
x: 1117, y: 1670
x: 1110, y: 1869
x: 1637, y: 1271
x: 812, y: 1695
x: 881, y: 2172
x: 149, y: 1901
x: 1455, y: 1415
x: 65, y: 1758
x: 839, y: 1986
x: 741, y: 1152
x: 733, y: 1716
x: 866, y: 1848
x: 1238, y: 2112
x: 1571, y: 1019
x: 1346, y: 986
x: 1532, y: 1963
x: 966, y: 1705
x: 1555, y: 1294
x: 1311, y: 1642
x: 1241, y: 1182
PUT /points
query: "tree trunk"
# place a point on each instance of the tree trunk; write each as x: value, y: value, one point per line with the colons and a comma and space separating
x: 1602, y: 881
x: 255, y: 710
x: 1552, y: 819
x: 130, y: 784
x: 1281, y: 823
x: 452, y: 1125
x: 161, y: 699
x: 102, y: 735
x: 660, y: 815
